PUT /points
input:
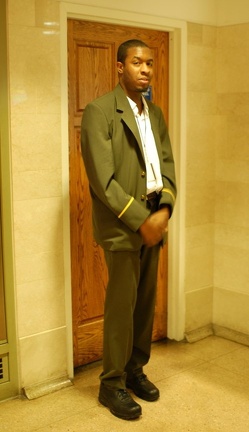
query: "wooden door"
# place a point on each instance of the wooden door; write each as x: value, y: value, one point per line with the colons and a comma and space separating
x: 92, y: 48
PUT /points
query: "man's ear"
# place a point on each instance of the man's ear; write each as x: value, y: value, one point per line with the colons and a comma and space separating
x: 120, y: 67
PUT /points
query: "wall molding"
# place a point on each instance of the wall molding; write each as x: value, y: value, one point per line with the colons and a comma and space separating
x: 38, y: 390
x: 231, y: 334
x: 206, y: 12
x: 217, y: 330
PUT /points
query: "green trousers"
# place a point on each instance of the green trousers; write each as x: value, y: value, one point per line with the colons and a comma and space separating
x: 129, y: 313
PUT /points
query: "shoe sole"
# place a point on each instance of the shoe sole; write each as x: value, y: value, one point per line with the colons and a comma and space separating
x: 116, y: 414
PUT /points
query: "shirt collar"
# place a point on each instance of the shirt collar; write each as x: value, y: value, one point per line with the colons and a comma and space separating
x: 135, y: 107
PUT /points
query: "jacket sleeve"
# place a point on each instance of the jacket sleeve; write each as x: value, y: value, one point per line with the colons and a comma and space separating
x: 96, y: 146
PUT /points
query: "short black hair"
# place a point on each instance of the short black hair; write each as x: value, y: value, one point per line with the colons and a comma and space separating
x: 122, y: 49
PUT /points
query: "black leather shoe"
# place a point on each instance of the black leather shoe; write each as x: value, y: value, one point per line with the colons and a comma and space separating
x: 143, y: 388
x: 119, y: 402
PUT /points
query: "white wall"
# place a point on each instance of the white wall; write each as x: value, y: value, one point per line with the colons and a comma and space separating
x: 210, y: 12
x: 231, y: 12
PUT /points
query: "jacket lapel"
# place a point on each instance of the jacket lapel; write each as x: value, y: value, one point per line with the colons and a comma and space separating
x: 124, y: 107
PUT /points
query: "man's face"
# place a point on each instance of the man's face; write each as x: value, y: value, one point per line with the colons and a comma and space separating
x: 137, y: 71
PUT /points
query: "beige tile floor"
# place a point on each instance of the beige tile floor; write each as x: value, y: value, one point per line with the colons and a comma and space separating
x: 204, y: 387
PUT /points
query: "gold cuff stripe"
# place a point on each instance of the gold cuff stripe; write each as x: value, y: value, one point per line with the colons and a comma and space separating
x: 126, y: 207
x: 169, y: 192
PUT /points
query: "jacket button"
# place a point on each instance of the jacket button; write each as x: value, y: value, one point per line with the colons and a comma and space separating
x: 143, y: 197
x: 143, y: 174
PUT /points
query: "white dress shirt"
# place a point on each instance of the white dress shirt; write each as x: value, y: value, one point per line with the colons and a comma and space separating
x: 154, y: 178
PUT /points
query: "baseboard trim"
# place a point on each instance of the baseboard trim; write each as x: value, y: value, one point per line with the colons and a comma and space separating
x: 198, y: 334
x: 230, y: 334
x: 36, y: 391
x: 214, y: 329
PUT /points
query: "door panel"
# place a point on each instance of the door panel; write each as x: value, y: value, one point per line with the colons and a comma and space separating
x: 92, y: 72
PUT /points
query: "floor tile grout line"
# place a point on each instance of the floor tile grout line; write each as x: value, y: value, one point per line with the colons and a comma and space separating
x: 179, y: 373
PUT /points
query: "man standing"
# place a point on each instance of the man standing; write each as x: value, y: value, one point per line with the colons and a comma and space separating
x: 129, y: 164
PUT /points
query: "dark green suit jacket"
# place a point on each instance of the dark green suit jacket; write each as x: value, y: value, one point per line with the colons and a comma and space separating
x: 115, y: 166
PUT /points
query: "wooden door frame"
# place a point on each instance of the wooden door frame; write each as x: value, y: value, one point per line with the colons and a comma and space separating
x: 177, y: 130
